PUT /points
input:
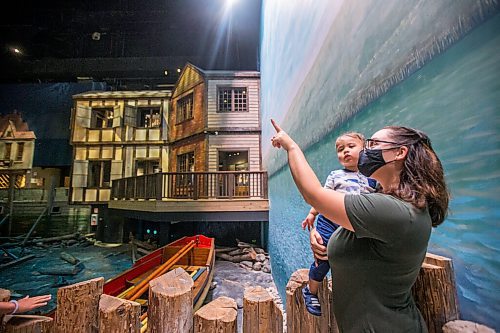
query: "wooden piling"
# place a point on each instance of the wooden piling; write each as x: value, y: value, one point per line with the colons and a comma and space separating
x: 170, y: 306
x: 4, y: 297
x: 298, y: 319
x: 260, y: 313
x: 217, y: 316
x: 28, y: 324
x: 78, y: 307
x: 118, y: 315
x: 435, y: 292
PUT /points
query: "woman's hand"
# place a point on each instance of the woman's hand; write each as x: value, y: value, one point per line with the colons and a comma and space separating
x: 317, y: 246
x: 308, y: 221
x: 30, y: 303
x: 281, y: 139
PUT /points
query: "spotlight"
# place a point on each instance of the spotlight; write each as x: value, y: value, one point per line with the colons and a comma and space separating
x: 178, y: 70
x: 165, y: 72
x: 16, y: 50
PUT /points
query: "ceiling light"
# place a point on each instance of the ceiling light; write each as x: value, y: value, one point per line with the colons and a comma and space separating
x: 165, y: 72
x: 16, y: 50
x: 230, y: 3
x: 178, y: 70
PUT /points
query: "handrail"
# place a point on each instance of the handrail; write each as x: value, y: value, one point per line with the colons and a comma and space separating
x: 192, y: 185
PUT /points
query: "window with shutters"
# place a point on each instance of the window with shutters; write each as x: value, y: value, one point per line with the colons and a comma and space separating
x: 8, y: 149
x: 99, y: 174
x: 102, y: 118
x: 20, y: 151
x: 184, y: 108
x: 231, y: 99
x: 148, y: 117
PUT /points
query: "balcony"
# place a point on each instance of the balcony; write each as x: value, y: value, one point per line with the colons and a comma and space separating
x: 221, y: 191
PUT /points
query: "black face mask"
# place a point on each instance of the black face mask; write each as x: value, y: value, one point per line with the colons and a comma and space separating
x: 370, y: 160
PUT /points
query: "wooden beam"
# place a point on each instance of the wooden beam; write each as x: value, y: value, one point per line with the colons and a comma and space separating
x: 298, y: 319
x: 217, y: 316
x: 78, y: 307
x: 27, y: 323
x: 171, y: 303
x: 435, y: 292
x: 260, y: 312
x: 118, y: 315
x: 4, y: 297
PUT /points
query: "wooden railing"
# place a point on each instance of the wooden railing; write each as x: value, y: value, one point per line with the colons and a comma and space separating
x: 192, y: 185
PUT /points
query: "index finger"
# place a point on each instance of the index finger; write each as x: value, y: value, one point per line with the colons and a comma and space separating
x: 276, y: 126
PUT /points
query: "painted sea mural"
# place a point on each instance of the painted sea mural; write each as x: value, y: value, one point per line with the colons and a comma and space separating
x: 333, y: 66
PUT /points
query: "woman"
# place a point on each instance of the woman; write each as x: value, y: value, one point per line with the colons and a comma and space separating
x: 376, y: 256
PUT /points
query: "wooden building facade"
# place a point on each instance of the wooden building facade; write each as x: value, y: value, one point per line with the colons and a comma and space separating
x: 215, y: 121
x: 190, y: 155
x: 17, y: 148
x: 115, y: 135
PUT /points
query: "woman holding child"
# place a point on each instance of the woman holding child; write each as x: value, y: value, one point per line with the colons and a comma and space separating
x: 377, y: 254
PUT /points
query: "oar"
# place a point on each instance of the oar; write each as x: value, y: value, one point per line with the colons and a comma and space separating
x: 153, y: 274
x: 143, y: 286
x: 144, y: 324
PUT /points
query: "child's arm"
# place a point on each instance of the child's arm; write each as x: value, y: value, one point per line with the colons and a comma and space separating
x: 309, y: 220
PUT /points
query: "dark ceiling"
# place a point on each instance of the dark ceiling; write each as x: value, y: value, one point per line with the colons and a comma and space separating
x: 126, y: 43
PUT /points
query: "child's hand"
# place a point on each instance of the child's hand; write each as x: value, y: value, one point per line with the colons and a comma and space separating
x: 308, y: 221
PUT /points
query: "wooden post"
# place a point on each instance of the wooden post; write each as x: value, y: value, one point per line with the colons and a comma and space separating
x: 118, y: 315
x: 78, y: 306
x: 463, y: 326
x: 4, y: 297
x: 28, y: 324
x: 298, y: 319
x: 217, y: 316
x: 435, y: 292
x: 260, y: 313
x: 170, y: 306
x: 12, y: 184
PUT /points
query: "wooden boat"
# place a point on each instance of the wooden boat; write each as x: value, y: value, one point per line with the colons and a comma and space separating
x: 196, y: 255
x: 197, y: 261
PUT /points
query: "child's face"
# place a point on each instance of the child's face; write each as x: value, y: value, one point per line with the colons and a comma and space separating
x: 348, y: 149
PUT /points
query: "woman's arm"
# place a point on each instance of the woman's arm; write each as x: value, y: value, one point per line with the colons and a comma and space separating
x: 327, y: 202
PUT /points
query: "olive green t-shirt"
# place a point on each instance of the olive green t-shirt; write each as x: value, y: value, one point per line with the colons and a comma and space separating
x: 374, y: 267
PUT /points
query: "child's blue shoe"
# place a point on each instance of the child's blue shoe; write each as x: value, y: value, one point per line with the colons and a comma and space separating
x: 311, y: 301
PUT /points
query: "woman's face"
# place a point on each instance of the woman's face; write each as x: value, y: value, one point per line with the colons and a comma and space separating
x: 383, y: 140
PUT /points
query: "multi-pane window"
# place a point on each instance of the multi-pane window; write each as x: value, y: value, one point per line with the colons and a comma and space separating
x: 99, y: 174
x: 148, y: 117
x: 146, y: 167
x: 20, y: 151
x: 185, y: 162
x: 185, y: 108
x: 232, y: 99
x: 8, y: 149
x: 102, y: 118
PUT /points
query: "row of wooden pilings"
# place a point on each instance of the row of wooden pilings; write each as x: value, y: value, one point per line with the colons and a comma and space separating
x: 83, y: 308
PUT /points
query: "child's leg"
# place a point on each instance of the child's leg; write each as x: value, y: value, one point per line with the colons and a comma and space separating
x: 317, y: 273
x: 313, y: 286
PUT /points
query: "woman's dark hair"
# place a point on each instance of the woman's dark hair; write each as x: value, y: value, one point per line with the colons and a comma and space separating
x: 422, y: 177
